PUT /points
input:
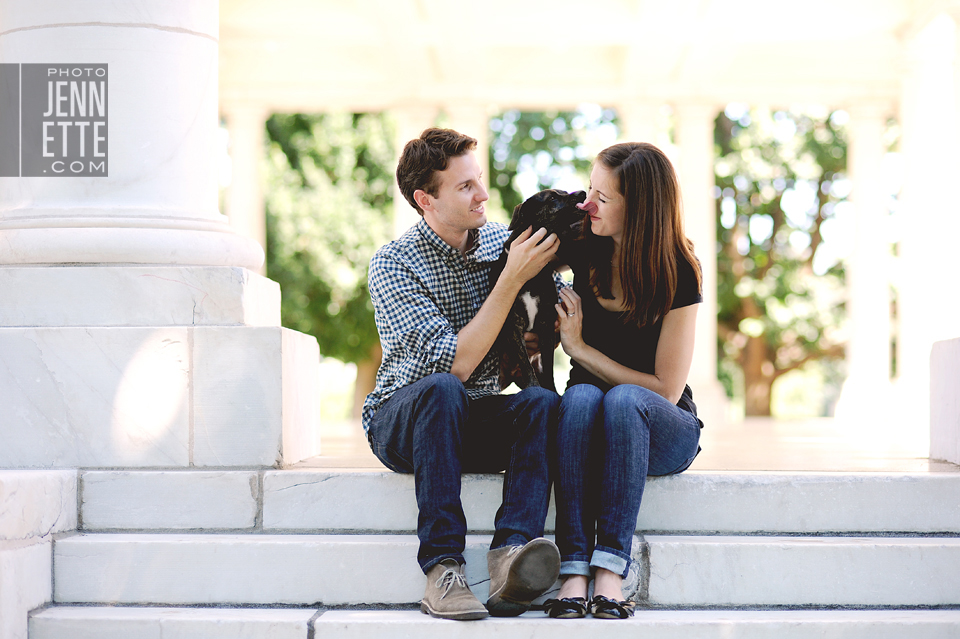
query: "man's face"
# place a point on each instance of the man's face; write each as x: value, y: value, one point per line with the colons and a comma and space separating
x: 458, y: 205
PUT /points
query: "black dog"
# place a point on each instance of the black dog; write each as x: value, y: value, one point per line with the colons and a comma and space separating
x: 533, y: 311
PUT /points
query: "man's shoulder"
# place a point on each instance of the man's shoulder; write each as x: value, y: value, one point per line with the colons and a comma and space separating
x: 401, y: 249
x: 494, y: 231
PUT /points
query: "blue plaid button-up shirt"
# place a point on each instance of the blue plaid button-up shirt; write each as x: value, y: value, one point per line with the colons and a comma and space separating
x: 424, y: 291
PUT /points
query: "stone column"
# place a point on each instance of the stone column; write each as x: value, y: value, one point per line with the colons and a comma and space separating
x: 159, y: 203
x: 868, y: 268
x: 411, y: 121
x: 132, y: 332
x: 474, y: 120
x: 638, y: 121
x: 245, y: 193
x: 694, y: 128
x: 928, y: 306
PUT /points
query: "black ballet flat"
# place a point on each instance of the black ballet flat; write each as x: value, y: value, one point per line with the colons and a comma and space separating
x: 566, y: 608
x: 605, y: 608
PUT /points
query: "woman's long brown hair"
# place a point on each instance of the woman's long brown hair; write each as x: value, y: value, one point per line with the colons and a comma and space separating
x: 653, y: 236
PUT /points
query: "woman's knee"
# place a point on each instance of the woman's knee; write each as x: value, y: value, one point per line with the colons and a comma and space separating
x: 628, y: 399
x: 579, y: 408
x: 582, y: 398
x: 626, y: 415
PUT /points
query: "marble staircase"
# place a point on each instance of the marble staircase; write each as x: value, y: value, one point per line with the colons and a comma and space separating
x: 328, y: 552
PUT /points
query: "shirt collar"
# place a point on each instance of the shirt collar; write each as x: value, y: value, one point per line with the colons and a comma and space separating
x: 483, y: 248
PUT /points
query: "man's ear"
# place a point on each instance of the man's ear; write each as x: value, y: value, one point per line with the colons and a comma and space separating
x: 423, y: 199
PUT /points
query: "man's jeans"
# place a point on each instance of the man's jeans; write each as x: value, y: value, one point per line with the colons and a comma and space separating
x: 607, y: 444
x: 433, y: 430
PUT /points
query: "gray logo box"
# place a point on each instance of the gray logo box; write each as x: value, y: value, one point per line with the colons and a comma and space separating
x: 63, y: 120
x: 9, y: 120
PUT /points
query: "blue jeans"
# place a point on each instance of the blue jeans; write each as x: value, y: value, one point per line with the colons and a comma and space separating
x: 433, y: 430
x: 606, y: 446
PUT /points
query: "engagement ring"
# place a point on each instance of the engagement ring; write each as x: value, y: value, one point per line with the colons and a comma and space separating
x: 570, y: 314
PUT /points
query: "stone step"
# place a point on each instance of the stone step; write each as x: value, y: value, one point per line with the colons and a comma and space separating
x: 653, y: 624
x: 339, y: 500
x: 217, y: 623
x: 337, y: 570
x: 165, y: 623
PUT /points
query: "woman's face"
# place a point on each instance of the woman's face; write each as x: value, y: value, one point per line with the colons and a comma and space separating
x: 607, y: 220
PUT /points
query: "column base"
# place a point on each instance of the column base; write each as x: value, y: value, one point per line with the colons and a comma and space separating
x: 163, y: 397
x: 129, y: 245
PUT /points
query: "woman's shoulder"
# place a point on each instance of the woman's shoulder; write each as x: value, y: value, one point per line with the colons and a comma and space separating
x: 688, y: 287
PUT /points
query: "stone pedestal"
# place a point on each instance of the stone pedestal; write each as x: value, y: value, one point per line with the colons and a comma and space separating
x: 945, y: 401
x: 133, y: 366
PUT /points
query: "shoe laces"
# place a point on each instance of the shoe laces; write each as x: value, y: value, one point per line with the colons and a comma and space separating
x: 450, y: 577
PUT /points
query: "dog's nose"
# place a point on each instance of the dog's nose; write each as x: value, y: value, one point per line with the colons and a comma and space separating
x: 579, y: 197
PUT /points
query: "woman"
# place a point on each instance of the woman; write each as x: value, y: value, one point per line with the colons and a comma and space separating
x: 628, y: 327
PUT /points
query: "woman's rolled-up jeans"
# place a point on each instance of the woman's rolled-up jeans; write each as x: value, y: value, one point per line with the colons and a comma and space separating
x: 607, y: 444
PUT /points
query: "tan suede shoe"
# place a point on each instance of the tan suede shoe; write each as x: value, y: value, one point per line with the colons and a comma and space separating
x: 520, y: 574
x: 448, y: 596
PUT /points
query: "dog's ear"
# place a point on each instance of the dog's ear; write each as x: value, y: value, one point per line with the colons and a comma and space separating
x: 516, y: 217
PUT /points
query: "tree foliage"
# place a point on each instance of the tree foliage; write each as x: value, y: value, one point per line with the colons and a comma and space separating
x: 328, y: 202
x: 782, y: 183
x: 535, y: 150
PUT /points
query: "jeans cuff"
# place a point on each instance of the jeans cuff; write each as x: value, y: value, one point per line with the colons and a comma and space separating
x: 611, y: 560
x: 516, y: 539
x: 575, y: 567
x: 427, y: 564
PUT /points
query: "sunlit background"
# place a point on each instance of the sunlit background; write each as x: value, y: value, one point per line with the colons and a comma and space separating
x: 813, y: 146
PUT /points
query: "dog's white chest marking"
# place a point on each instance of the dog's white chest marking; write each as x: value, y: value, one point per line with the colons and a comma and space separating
x: 530, y: 304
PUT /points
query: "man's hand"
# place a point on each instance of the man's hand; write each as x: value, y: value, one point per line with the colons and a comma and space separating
x: 528, y: 255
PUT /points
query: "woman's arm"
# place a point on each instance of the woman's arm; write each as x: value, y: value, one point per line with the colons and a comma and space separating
x: 674, y: 350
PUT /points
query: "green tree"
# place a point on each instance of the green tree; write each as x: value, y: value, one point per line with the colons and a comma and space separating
x: 535, y: 150
x: 781, y: 180
x: 328, y: 204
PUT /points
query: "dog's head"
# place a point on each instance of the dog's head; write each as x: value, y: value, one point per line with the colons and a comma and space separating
x: 554, y: 210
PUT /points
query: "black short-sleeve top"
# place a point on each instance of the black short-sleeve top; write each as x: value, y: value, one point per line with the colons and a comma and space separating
x: 630, y: 345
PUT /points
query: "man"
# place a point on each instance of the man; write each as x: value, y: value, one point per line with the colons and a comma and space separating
x: 437, y: 410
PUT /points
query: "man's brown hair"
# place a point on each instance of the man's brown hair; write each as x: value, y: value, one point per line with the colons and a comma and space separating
x: 423, y: 157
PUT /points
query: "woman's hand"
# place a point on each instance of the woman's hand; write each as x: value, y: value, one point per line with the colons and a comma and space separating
x: 571, y: 322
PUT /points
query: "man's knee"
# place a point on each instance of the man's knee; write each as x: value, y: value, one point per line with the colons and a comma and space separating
x: 540, y: 398
x: 444, y: 386
x: 442, y: 404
